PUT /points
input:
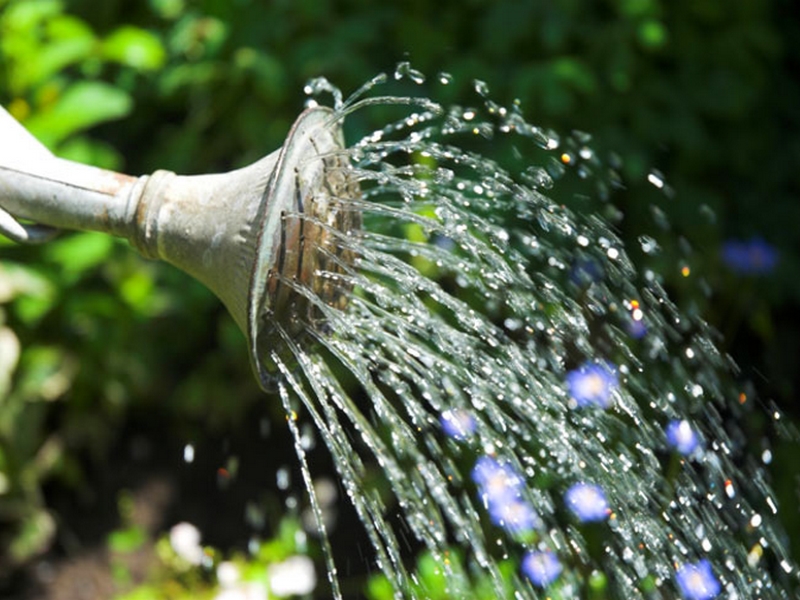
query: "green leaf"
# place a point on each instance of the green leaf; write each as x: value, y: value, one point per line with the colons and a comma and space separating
x: 34, y: 536
x: 127, y: 540
x: 71, y: 41
x: 575, y: 72
x: 144, y: 592
x: 24, y: 16
x: 432, y: 576
x: 652, y: 34
x: 80, y: 107
x: 379, y: 588
x: 80, y: 252
x: 91, y: 152
x: 46, y: 374
x: 135, y: 48
x: 167, y: 9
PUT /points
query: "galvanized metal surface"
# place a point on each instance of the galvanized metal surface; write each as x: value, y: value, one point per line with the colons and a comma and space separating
x: 243, y: 233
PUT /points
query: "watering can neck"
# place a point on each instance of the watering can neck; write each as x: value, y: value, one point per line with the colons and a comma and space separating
x: 67, y: 195
x: 55, y: 193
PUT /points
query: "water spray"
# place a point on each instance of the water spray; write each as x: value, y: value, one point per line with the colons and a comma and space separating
x: 491, y: 328
x: 254, y: 236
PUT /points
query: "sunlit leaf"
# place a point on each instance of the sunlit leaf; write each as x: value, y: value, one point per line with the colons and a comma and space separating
x: 34, y: 536
x: 652, y: 34
x: 71, y: 41
x: 26, y: 15
x: 135, y: 48
x: 80, y: 107
x: 127, y: 540
x: 80, y: 252
x: 91, y: 152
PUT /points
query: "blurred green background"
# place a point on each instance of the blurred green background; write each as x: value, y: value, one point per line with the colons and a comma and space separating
x: 110, y: 365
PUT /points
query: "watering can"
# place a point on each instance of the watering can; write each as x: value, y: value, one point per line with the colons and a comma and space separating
x: 266, y: 239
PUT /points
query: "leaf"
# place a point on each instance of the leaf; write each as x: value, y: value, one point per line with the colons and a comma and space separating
x: 80, y: 107
x: 46, y: 373
x: 135, y: 48
x: 125, y: 541
x: 379, y: 588
x: 575, y: 72
x: 24, y: 16
x: 92, y: 152
x: 80, y: 252
x: 71, y: 41
x: 34, y: 536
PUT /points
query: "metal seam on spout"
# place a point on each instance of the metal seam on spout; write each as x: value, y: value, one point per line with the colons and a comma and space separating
x: 144, y: 235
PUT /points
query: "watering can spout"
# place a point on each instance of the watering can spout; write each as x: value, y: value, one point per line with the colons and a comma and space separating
x: 259, y: 237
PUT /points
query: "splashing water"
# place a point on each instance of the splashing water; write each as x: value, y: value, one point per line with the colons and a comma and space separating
x: 513, y: 377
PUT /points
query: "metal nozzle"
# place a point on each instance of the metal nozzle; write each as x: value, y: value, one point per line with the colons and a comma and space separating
x: 260, y: 237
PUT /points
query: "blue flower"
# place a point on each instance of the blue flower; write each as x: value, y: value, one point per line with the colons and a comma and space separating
x: 500, y: 487
x: 514, y: 514
x: 753, y: 257
x: 457, y: 423
x: 588, y: 502
x: 586, y: 271
x: 637, y: 329
x: 697, y: 581
x: 682, y: 437
x: 592, y: 384
x: 496, y: 481
x: 542, y: 568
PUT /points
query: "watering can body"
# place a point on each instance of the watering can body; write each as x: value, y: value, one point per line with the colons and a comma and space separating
x: 245, y: 234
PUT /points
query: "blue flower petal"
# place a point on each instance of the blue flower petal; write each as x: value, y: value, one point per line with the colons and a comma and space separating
x: 542, y: 568
x: 592, y: 384
x: 588, y: 502
x: 682, y: 437
x: 457, y: 423
x: 697, y: 582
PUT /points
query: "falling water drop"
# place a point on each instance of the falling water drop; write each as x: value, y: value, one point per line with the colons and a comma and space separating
x: 321, y: 85
x: 481, y: 88
x: 283, y: 478
x: 405, y: 70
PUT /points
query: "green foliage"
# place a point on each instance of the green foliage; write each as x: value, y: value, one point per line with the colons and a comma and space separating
x: 80, y: 107
x: 446, y: 579
x: 91, y: 336
x: 172, y: 577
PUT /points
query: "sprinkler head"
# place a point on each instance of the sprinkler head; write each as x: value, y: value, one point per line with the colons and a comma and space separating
x: 267, y: 239
x: 300, y: 250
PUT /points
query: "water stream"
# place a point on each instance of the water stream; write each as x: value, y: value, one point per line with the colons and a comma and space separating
x: 505, y: 388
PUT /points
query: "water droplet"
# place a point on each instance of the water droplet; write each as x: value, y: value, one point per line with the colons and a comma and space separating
x: 656, y: 178
x: 481, y: 87
x: 320, y: 85
x: 660, y: 218
x: 649, y: 245
x: 283, y: 478
x: 404, y: 69
x: 537, y: 177
x: 307, y: 438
